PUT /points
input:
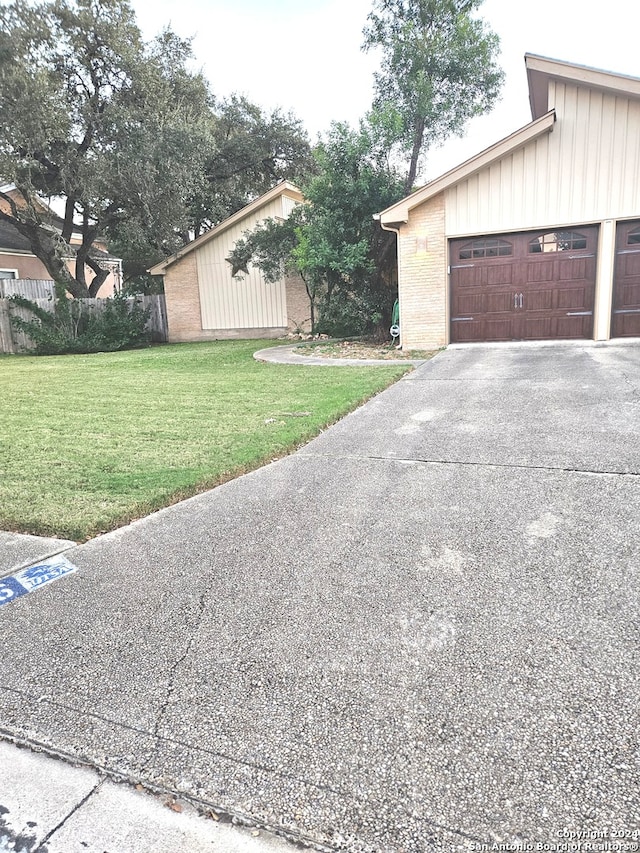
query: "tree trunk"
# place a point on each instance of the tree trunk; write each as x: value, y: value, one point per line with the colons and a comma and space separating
x: 67, y: 228
x: 48, y: 246
x: 100, y: 276
x: 311, y: 293
x: 418, y: 138
x: 388, y: 244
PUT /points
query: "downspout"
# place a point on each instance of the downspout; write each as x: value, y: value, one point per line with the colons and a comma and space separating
x: 395, y: 231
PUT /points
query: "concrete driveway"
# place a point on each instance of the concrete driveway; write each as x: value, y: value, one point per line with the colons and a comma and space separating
x: 421, y: 632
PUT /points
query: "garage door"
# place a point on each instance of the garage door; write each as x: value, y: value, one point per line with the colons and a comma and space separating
x: 529, y: 286
x: 625, y: 319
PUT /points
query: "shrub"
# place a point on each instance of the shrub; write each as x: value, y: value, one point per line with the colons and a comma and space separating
x: 72, y: 327
x: 354, y: 314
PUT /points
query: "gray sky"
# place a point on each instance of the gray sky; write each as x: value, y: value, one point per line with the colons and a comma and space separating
x: 304, y: 55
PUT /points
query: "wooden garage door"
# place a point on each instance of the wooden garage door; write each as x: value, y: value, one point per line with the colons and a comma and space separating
x: 625, y: 318
x: 529, y: 286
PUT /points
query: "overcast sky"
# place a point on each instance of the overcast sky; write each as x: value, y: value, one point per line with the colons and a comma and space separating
x: 304, y: 55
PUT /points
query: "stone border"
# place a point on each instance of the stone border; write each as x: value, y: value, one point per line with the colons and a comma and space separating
x: 286, y: 355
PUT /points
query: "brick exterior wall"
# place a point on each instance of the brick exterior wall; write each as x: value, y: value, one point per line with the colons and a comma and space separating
x: 422, y: 277
x: 183, y: 300
x: 230, y: 334
x: 184, y: 314
x: 298, y: 305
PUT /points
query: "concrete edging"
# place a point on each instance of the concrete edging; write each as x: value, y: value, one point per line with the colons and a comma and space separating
x: 286, y: 355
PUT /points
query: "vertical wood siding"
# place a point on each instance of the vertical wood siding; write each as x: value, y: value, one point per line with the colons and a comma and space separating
x: 586, y: 170
x: 288, y: 204
x: 241, y: 303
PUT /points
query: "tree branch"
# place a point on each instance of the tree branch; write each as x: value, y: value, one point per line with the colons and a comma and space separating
x: 101, y: 276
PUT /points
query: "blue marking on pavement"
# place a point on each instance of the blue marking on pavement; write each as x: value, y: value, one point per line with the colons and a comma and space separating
x: 33, y: 577
x: 10, y: 589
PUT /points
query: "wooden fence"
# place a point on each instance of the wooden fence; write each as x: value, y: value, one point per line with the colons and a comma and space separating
x: 41, y: 292
x: 30, y: 288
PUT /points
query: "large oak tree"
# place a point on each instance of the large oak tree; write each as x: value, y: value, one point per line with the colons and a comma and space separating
x: 92, y: 115
x: 126, y: 135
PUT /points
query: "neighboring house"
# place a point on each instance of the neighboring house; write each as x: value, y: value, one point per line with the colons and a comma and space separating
x: 17, y: 261
x: 537, y: 237
x: 204, y: 300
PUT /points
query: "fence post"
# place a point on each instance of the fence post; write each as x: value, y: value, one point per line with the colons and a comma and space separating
x: 6, y: 332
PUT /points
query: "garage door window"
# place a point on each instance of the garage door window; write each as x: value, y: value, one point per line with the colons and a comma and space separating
x: 633, y: 237
x: 485, y: 249
x: 558, y: 241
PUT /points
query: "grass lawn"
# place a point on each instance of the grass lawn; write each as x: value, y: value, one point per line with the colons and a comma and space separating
x: 90, y: 442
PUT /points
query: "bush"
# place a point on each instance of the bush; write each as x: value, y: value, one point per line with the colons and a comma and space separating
x: 356, y: 314
x: 72, y: 327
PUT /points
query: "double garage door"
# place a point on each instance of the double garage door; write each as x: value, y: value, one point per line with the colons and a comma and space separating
x: 540, y: 285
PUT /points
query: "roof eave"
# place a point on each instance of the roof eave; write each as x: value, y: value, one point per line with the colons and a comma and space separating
x: 541, y: 69
x: 398, y: 214
x: 280, y: 189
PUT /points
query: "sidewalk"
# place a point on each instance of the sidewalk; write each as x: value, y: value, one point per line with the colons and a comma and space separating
x: 49, y: 806
x: 18, y: 550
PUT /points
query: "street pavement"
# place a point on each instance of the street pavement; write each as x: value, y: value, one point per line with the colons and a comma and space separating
x: 420, y: 632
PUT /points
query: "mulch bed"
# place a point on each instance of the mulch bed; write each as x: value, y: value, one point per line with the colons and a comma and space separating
x: 359, y: 350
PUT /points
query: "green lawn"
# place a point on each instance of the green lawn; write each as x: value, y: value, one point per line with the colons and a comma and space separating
x: 89, y: 442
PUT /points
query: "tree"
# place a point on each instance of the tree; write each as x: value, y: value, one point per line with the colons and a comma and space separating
x: 250, y: 153
x: 438, y: 71
x: 332, y: 241
x: 92, y: 115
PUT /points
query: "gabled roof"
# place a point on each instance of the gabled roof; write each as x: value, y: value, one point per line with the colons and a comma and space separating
x: 280, y: 189
x: 541, y: 69
x: 399, y: 212
x: 12, y: 240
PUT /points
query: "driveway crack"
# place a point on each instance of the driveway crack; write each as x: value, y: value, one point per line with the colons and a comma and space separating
x: 176, y: 666
x: 470, y: 464
x: 635, y: 392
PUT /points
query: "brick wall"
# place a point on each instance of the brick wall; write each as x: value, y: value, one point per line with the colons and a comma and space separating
x: 184, y: 316
x: 183, y: 300
x: 422, y: 280
x: 298, y: 306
